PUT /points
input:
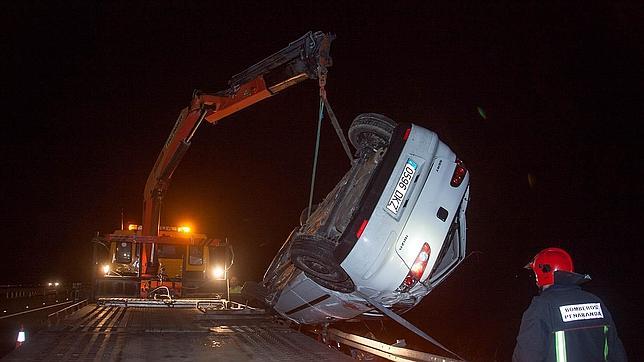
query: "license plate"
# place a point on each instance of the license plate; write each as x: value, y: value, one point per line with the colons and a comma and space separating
x: 402, y: 186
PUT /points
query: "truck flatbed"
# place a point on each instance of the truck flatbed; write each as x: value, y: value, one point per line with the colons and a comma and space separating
x: 112, y: 333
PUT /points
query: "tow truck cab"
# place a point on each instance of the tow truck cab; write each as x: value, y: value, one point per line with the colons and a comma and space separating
x: 187, y: 263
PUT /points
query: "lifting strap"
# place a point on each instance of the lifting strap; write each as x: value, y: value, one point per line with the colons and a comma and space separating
x: 402, y: 321
x: 315, y: 157
x: 336, y: 125
x: 324, y: 102
x: 322, y: 71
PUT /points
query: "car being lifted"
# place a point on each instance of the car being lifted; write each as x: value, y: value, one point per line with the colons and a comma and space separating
x: 390, y: 231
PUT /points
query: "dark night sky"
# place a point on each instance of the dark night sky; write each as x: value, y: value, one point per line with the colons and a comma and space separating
x: 91, y: 92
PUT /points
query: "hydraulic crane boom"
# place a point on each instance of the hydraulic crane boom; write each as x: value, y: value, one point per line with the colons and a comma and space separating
x: 305, y: 58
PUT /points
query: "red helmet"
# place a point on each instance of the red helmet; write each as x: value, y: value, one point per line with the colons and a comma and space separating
x: 546, y: 262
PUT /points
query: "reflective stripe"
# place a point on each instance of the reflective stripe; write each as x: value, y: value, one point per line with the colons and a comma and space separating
x: 560, y: 346
x: 605, y: 343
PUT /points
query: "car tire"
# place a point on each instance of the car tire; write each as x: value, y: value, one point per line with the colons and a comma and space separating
x: 314, y: 256
x: 371, y: 130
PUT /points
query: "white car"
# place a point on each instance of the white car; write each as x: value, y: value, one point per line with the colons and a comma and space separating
x: 392, y: 229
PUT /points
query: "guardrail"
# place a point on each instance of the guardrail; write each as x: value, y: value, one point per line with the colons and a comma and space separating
x: 55, y: 317
x: 12, y: 315
x: 50, y: 290
x: 14, y: 292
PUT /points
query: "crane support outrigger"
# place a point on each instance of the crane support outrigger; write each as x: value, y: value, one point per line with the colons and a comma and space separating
x: 306, y: 58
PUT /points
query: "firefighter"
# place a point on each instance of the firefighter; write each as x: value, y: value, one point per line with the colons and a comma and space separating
x: 564, y: 322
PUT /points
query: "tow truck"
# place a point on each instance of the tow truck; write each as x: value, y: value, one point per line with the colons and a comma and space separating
x: 153, y: 298
x: 188, y: 264
x: 140, y: 257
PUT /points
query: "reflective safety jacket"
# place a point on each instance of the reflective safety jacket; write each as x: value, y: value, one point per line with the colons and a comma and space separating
x: 566, y: 323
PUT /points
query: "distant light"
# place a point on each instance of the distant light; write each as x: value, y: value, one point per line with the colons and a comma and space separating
x: 21, y: 337
x: 106, y: 269
x: 133, y: 227
x: 481, y: 112
x: 56, y: 284
x: 50, y: 284
x: 183, y: 229
x: 27, y: 307
x: 4, y: 311
x: 532, y: 181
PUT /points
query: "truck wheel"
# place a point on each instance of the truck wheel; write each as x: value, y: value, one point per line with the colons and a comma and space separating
x: 371, y: 130
x: 313, y: 255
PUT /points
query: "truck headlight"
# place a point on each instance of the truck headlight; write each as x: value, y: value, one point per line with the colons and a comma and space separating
x: 218, y: 273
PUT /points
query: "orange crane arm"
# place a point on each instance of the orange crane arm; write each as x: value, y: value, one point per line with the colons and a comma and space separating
x: 305, y: 58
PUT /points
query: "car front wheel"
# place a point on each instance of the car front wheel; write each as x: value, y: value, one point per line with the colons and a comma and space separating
x: 371, y: 130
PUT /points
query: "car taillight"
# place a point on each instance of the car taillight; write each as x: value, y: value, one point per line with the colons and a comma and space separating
x: 406, y: 135
x: 459, y: 174
x: 417, y: 269
x: 362, y: 227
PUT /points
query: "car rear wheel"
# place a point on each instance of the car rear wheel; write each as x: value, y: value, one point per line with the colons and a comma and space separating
x: 371, y: 130
x: 314, y: 256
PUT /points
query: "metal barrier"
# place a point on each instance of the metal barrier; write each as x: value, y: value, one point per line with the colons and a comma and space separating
x: 52, y: 291
x: 203, y: 305
x: 65, y: 311
x: 14, y: 292
x: 28, y: 311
